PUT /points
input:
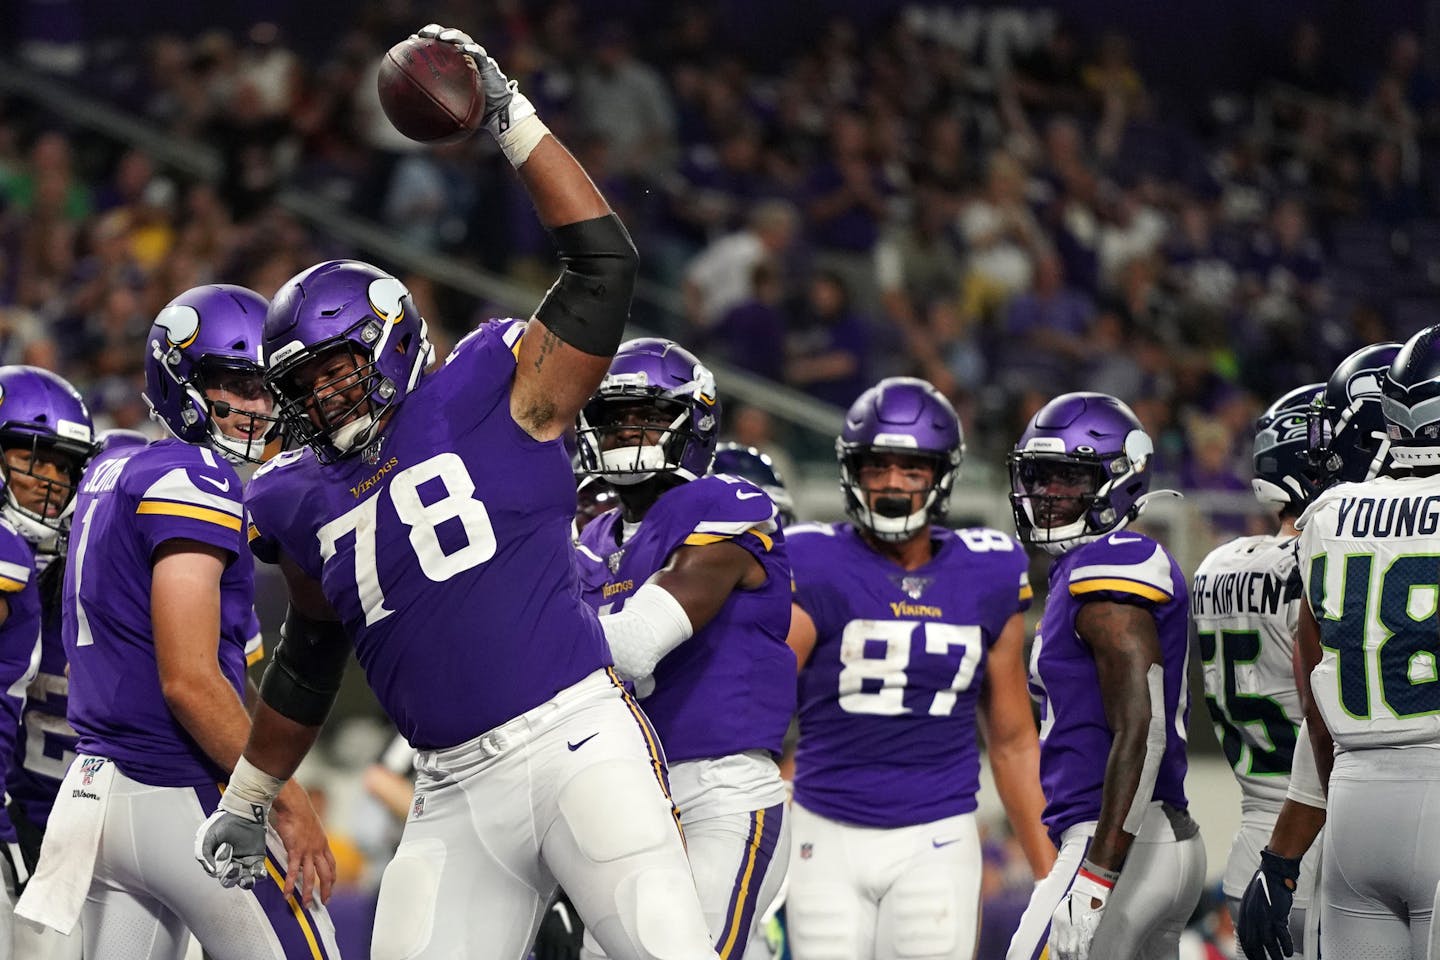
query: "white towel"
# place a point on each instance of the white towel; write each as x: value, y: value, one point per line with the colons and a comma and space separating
x: 72, y: 839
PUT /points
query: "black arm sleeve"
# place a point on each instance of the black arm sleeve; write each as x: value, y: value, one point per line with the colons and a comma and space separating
x: 304, y: 674
x: 588, y: 306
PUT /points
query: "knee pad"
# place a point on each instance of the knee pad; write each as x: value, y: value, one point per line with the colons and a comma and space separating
x: 820, y: 927
x: 405, y: 914
x: 615, y: 809
x: 926, y: 920
x: 661, y: 912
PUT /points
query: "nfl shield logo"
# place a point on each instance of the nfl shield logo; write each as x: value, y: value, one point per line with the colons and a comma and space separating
x: 88, y: 768
x: 613, y: 561
x: 417, y: 810
x: 915, y: 587
x: 806, y: 849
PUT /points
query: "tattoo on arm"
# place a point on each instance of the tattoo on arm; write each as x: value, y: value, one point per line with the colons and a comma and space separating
x: 547, y: 346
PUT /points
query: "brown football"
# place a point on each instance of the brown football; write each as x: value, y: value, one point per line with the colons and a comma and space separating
x: 430, y: 91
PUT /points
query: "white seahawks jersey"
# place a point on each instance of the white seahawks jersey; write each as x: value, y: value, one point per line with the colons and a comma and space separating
x: 1369, y: 554
x: 1246, y: 604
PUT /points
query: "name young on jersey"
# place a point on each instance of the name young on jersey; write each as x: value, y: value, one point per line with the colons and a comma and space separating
x: 1360, y: 518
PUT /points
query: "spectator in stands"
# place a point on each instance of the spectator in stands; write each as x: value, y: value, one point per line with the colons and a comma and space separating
x: 918, y: 265
x: 721, y: 277
x: 625, y: 102
x: 752, y: 334
x: 829, y: 344
x: 1002, y: 239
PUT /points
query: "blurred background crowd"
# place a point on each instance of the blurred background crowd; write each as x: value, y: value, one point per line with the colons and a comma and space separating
x: 1011, y: 202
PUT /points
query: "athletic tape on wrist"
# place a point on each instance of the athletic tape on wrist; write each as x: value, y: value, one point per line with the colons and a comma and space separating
x: 517, y: 142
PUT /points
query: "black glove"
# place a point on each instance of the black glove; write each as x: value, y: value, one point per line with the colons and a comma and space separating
x: 1264, y: 928
x: 560, y: 932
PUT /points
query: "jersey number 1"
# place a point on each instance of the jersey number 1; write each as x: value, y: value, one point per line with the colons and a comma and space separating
x: 423, y: 519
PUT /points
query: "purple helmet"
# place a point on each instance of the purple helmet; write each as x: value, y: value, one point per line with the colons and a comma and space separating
x: 1080, y: 470
x: 899, y: 415
x: 43, y: 416
x: 210, y: 337
x: 681, y: 406
x: 117, y: 437
x: 1349, y: 439
x: 343, y: 305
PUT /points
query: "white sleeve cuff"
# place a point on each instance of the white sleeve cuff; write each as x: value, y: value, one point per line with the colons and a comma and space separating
x: 651, y: 625
x: 1304, y: 776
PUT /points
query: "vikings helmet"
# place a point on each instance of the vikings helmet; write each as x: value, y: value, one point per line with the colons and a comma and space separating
x: 899, y: 415
x: 42, y: 415
x: 1284, y: 473
x: 673, y: 393
x: 117, y: 437
x: 1348, y: 437
x: 1411, y: 401
x: 1094, y: 447
x: 592, y: 498
x: 343, y: 305
x: 741, y: 461
x: 210, y: 337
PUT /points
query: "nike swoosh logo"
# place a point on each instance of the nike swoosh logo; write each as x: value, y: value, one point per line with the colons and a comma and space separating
x: 222, y: 486
x: 577, y: 746
x: 1116, y: 538
x: 749, y: 496
x: 937, y: 844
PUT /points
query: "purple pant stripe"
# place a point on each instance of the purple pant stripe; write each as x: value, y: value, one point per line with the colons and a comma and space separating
x: 749, y: 879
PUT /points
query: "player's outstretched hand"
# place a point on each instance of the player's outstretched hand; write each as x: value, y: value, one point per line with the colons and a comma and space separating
x: 505, y: 105
x: 231, y: 847
x: 310, y: 866
x: 561, y: 931
x: 1264, y: 927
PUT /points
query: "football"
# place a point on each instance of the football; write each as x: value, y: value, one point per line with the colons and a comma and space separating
x: 430, y: 91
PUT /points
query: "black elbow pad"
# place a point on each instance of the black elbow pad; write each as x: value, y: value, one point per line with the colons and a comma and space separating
x: 588, y: 306
x: 304, y: 674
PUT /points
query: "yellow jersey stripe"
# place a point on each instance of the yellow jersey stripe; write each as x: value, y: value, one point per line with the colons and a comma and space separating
x: 255, y: 656
x: 293, y: 902
x: 189, y: 511
x: 7, y: 585
x: 704, y: 539
x: 756, y: 835
x: 1120, y: 586
x: 252, y: 534
x: 1027, y: 592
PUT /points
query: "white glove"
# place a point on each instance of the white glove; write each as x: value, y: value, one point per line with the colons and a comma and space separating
x: 505, y: 105
x: 1073, y: 925
x: 230, y: 845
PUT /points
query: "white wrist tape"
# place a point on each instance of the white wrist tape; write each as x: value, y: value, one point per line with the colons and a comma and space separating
x: 521, y: 138
x: 652, y: 624
x: 1305, y: 786
x: 250, y: 792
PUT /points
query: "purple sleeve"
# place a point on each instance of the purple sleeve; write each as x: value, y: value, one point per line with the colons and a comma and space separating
x: 1124, y: 568
x: 19, y: 649
x: 720, y: 508
x: 805, y: 546
x: 190, y: 498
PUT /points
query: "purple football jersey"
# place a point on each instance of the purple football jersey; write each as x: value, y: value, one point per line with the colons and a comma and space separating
x: 888, y: 698
x: 1075, y: 737
x: 445, y: 551
x: 19, y: 647
x: 46, y: 744
x: 730, y: 687
x: 131, y: 501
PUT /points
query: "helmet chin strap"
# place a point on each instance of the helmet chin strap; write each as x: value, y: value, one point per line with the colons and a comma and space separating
x: 354, y: 434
